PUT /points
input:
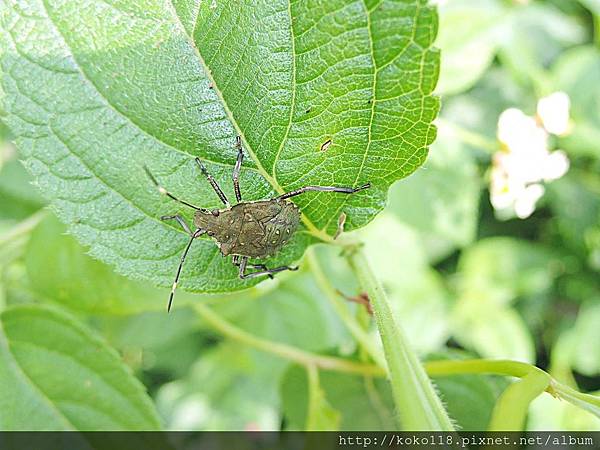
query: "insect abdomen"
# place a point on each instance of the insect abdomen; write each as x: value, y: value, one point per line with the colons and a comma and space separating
x: 266, y: 228
x: 279, y: 229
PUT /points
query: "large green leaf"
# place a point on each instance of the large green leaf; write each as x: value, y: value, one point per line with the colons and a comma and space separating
x: 95, y: 90
x: 59, y: 270
x: 88, y: 388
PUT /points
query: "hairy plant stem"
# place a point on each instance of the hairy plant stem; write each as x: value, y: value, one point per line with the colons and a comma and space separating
x: 419, y: 406
x: 533, y: 382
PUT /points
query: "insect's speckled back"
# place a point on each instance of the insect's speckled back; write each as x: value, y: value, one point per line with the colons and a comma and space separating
x: 255, y: 229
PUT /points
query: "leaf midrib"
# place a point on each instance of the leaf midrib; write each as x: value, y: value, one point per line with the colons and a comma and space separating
x: 312, y: 228
x: 114, y: 108
x: 4, y: 342
x: 293, y: 105
x: 107, y: 384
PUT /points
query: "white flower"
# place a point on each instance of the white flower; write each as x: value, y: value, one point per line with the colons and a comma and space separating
x: 523, y: 163
x: 526, y: 200
x: 502, y: 193
x: 520, y: 133
x: 555, y: 165
x: 553, y: 112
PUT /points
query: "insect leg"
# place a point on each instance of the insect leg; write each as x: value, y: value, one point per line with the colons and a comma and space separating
x: 163, y: 191
x: 180, y: 221
x: 237, y: 168
x: 242, y: 265
x: 212, y: 182
x: 342, y: 190
x: 237, y: 261
x: 195, y: 234
x: 265, y: 271
x: 263, y: 268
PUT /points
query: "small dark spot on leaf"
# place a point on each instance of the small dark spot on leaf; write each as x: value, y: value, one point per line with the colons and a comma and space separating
x: 325, y: 145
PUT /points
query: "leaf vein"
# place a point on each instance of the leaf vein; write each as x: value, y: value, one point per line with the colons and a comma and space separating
x: 294, y: 88
x: 25, y: 377
x: 106, y: 99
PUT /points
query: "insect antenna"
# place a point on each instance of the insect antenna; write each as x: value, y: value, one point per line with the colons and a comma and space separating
x: 163, y: 191
x: 197, y: 233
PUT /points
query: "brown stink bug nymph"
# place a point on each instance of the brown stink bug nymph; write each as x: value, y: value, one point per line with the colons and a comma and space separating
x: 256, y: 229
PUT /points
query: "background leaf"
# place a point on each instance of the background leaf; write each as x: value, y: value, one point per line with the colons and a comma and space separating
x: 576, y: 72
x: 495, y: 274
x: 441, y: 201
x: 97, y: 90
x: 363, y: 404
x: 467, y: 51
x: 18, y: 197
x: 89, y: 387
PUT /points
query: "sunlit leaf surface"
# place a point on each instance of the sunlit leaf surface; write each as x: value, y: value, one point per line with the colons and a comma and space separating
x: 95, y: 90
x: 89, y: 387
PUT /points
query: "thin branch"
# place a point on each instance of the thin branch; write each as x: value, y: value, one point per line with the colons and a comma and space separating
x: 467, y: 136
x: 22, y: 228
x: 342, y: 310
x: 285, y: 351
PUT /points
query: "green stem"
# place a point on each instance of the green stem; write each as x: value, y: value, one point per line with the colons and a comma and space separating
x: 511, y: 408
x: 320, y: 415
x: 285, y: 351
x: 480, y: 366
x: 588, y: 402
x: 467, y: 136
x: 414, y: 396
x: 342, y: 310
x: 314, y: 392
x: 597, y: 29
x: 23, y: 227
x: 415, y: 378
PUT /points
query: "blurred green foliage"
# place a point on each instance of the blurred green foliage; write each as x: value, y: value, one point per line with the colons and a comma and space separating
x: 462, y: 282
